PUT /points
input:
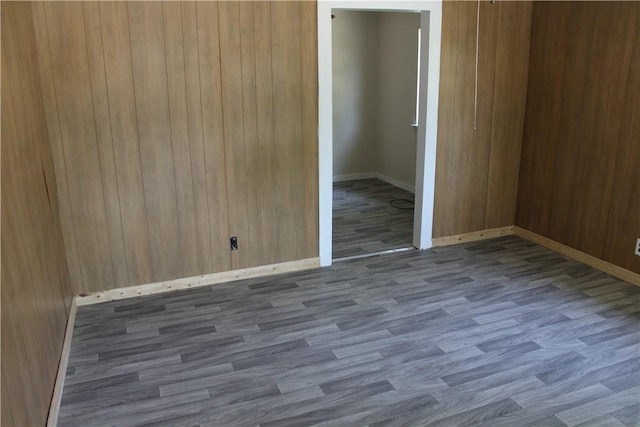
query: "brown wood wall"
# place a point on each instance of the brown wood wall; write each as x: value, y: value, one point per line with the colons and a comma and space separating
x: 477, y: 170
x: 580, y: 173
x: 36, y: 293
x: 175, y: 125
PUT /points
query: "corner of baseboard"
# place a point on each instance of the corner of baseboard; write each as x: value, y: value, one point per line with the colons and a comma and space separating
x: 590, y: 260
x: 400, y: 184
x: 56, y: 398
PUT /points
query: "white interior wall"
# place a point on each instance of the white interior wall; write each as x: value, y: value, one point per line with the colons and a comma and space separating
x: 374, y: 92
x: 398, y: 74
x: 355, y: 95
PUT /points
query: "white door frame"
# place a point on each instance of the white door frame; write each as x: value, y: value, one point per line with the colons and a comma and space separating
x: 431, y: 24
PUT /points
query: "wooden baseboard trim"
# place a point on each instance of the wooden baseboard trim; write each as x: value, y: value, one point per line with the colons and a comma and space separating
x: 590, y: 260
x: 56, y: 399
x: 472, y: 236
x: 197, y: 281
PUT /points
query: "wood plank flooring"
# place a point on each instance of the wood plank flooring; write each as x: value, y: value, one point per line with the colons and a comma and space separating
x: 363, y: 220
x: 495, y: 333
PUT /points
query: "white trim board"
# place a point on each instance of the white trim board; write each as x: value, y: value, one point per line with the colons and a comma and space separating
x: 431, y: 23
x: 197, y: 281
x: 368, y: 175
x: 56, y: 399
x: 354, y: 176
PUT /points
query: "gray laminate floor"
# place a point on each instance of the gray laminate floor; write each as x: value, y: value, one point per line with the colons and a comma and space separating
x: 497, y: 333
x: 363, y: 220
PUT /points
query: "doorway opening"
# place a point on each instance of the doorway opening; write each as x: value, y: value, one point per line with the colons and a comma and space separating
x: 430, y: 13
x: 375, y: 58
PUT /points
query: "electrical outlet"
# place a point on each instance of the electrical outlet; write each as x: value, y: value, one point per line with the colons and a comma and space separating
x: 637, y: 252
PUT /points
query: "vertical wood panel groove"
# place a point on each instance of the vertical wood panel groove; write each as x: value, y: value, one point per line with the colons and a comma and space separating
x: 186, y: 270
x: 448, y: 67
x: 248, y: 258
x: 209, y: 55
x: 254, y: 167
x: 210, y: 261
x: 265, y: 126
x: 119, y: 75
x: 287, y: 125
x: 489, y: 22
x: 135, y: 109
x: 150, y: 86
x: 77, y: 277
x: 184, y: 61
x: 114, y: 262
x: 224, y: 143
x: 300, y: 161
x: 62, y: 150
x: 487, y: 194
x: 278, y: 197
x: 118, y: 253
x: 234, y: 132
x: 71, y: 73
x: 510, y: 87
x: 113, y: 153
x: 171, y: 139
x: 229, y: 231
x: 201, y: 267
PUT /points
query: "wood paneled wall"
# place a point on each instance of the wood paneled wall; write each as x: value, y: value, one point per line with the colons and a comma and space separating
x: 477, y: 169
x: 36, y: 293
x: 580, y: 174
x: 175, y: 125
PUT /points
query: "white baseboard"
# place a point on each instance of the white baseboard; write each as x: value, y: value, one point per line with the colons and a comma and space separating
x: 407, y: 187
x: 197, y: 281
x: 354, y: 176
x: 368, y: 175
x: 590, y: 260
x: 56, y: 399
x: 472, y: 236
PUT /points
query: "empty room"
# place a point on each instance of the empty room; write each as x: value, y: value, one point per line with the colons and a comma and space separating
x: 198, y: 221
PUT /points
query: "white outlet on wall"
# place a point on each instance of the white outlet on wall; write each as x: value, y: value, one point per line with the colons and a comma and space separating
x: 637, y: 252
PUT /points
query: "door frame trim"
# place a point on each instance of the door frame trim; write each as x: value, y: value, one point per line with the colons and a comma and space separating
x: 430, y: 18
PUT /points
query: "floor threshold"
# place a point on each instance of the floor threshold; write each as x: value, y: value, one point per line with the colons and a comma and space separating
x: 387, y: 252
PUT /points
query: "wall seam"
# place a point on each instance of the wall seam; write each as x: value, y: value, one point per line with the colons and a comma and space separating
x: 64, y: 157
